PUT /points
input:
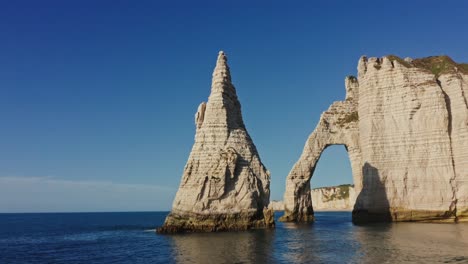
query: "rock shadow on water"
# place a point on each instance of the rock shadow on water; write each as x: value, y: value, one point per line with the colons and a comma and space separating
x: 372, y: 203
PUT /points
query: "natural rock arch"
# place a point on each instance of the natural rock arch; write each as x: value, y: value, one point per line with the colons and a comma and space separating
x: 337, y: 126
x: 405, y: 126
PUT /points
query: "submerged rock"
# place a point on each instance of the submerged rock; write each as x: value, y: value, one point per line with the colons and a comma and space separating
x: 224, y: 185
x: 404, y: 124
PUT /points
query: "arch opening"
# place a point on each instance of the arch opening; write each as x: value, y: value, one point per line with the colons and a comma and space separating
x: 332, y: 183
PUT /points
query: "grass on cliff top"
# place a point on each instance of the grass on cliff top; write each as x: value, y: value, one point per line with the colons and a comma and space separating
x: 438, y: 65
x: 400, y: 60
x: 464, y: 66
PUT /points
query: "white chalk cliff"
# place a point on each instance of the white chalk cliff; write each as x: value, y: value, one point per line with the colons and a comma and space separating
x: 404, y: 124
x: 277, y: 205
x: 224, y: 185
x: 333, y: 198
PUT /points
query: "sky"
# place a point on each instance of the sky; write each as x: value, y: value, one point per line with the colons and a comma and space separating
x: 97, y: 98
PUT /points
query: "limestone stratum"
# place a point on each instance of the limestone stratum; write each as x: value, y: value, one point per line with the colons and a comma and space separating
x: 224, y: 186
x: 404, y: 124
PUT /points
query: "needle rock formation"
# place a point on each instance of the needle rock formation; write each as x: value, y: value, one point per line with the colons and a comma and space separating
x: 404, y: 124
x: 224, y: 185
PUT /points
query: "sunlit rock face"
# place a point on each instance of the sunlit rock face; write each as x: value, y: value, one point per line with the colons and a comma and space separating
x: 405, y: 126
x: 224, y: 185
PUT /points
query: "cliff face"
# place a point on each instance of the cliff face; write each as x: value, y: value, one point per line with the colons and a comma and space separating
x: 333, y: 198
x: 406, y: 132
x: 224, y: 185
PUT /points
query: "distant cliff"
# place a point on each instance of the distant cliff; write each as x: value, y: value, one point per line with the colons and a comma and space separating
x: 277, y: 205
x: 333, y: 198
x: 340, y: 197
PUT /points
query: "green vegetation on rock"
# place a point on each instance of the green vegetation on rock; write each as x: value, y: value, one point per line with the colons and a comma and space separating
x: 464, y: 66
x: 437, y: 65
x: 400, y: 60
x: 350, y: 117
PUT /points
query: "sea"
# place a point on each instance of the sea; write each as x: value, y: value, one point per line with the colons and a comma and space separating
x: 130, y: 238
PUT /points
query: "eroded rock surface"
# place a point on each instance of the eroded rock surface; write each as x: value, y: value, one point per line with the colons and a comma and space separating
x: 405, y: 126
x: 224, y: 185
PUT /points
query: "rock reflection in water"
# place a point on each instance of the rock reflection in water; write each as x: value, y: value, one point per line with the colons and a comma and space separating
x: 412, y: 242
x: 331, y: 239
x: 229, y: 247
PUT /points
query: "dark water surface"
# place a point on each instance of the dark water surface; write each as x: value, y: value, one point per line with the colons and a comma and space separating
x: 130, y: 238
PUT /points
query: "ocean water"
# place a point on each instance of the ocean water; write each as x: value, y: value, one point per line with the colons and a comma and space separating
x: 131, y: 238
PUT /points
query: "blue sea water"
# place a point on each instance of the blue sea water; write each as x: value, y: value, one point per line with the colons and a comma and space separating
x: 131, y: 238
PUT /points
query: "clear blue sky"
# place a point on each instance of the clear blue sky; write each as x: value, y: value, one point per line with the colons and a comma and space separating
x: 97, y: 98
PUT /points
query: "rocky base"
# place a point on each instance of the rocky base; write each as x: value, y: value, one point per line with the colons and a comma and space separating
x: 462, y: 215
x: 179, y: 222
x: 294, y: 217
x: 368, y: 216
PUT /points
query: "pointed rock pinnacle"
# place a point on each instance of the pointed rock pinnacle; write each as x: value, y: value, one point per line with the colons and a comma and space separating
x: 225, y: 185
